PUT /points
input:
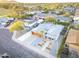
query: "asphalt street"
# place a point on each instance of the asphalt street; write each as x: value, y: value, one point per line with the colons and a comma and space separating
x: 7, y: 45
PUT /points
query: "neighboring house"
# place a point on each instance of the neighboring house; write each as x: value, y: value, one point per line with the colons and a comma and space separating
x: 29, y: 20
x: 59, y: 18
x: 4, y: 22
x: 40, y: 21
x: 71, y: 10
x: 73, y: 39
x: 33, y: 12
x: 58, y: 12
x: 62, y: 18
x: 32, y: 23
x: 77, y: 12
x: 33, y: 20
x: 43, y: 15
x: 76, y: 17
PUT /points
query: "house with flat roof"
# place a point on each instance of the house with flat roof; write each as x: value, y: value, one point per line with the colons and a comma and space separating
x: 43, y: 15
x: 32, y: 23
x: 34, y: 12
x: 76, y: 16
x: 4, y: 21
x: 59, y: 18
x: 30, y: 19
x: 76, y: 22
x: 62, y: 18
x: 77, y: 12
x: 71, y: 10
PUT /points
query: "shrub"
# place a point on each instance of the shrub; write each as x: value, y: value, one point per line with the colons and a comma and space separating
x: 50, y: 19
x: 16, y: 26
